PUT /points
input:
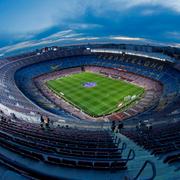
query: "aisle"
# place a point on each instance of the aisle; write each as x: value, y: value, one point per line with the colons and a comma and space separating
x: 164, y: 171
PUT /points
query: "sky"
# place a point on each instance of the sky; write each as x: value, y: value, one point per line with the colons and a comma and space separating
x: 33, y: 23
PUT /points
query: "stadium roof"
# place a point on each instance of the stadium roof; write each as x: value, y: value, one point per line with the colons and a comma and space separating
x: 156, y: 56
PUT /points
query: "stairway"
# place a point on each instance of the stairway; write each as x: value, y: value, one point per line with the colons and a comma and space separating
x: 163, y: 171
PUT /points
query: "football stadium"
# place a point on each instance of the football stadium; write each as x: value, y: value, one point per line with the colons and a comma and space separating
x: 95, y: 108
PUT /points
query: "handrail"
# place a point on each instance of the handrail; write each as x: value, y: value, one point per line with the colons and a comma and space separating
x: 115, y: 139
x: 131, y: 151
x: 119, y: 141
x: 143, y: 167
x: 124, y: 145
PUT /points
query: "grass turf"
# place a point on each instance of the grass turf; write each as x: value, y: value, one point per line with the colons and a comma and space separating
x: 100, y: 100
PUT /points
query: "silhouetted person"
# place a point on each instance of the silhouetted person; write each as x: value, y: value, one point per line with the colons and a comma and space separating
x: 113, y: 126
x: 120, y: 126
x: 42, y: 119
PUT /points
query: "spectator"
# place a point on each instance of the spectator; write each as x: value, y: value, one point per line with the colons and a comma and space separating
x: 120, y: 126
x: 113, y: 126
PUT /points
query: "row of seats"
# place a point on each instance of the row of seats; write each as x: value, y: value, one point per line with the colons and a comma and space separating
x: 63, y: 146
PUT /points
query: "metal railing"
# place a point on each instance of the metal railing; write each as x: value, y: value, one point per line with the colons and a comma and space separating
x: 142, y: 169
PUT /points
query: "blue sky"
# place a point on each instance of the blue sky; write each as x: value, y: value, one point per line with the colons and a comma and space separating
x: 30, y: 23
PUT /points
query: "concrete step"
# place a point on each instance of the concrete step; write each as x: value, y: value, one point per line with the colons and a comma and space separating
x: 164, y: 171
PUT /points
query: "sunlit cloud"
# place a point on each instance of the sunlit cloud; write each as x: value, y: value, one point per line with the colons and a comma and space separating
x: 58, y: 35
x: 126, y: 38
x: 63, y: 36
x: 86, y: 38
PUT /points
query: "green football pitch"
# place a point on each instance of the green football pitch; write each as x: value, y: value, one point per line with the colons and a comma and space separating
x: 107, y: 96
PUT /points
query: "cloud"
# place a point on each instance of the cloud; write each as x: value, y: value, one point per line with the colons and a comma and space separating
x: 171, y: 4
x: 78, y: 20
x: 58, y: 35
x: 86, y: 38
x: 173, y: 34
x: 126, y: 38
x: 61, y: 36
x: 44, y: 14
x: 101, y: 7
x: 177, y: 45
x: 77, y: 26
x: 69, y: 36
